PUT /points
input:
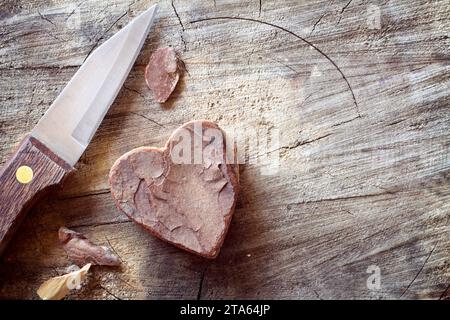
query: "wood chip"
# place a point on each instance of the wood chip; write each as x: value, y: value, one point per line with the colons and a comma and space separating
x: 58, y: 287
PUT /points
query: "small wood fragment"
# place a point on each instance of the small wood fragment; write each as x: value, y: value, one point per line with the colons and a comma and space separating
x: 81, y: 250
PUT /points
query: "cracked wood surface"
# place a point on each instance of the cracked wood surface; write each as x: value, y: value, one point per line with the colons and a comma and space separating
x: 363, y: 117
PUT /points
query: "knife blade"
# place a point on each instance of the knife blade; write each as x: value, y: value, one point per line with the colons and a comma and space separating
x: 55, y: 144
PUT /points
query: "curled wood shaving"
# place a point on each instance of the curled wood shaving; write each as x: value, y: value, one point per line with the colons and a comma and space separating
x: 58, y: 287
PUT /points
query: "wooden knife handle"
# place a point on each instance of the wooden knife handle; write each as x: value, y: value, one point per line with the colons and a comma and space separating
x: 24, y: 178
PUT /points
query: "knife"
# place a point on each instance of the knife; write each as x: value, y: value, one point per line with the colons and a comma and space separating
x: 47, y: 154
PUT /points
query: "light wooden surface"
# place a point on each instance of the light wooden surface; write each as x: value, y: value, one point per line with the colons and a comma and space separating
x: 363, y: 115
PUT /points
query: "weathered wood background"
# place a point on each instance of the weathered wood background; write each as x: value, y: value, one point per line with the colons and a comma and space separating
x: 362, y: 108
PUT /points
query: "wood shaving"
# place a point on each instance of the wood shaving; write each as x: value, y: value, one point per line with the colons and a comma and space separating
x: 58, y: 287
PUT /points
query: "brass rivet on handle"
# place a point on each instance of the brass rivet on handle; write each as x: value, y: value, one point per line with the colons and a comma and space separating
x: 24, y: 174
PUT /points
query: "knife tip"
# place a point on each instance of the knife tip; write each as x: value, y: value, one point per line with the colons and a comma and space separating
x: 153, y: 7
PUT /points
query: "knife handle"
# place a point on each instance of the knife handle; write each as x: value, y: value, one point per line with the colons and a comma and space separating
x: 32, y: 170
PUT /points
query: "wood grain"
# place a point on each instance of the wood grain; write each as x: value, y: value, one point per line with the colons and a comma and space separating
x: 364, y: 145
x: 16, y: 197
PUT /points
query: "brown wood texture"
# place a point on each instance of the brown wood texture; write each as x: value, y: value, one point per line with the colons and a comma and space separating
x: 359, y: 91
x: 16, y: 198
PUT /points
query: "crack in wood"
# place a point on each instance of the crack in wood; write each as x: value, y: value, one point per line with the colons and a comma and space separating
x: 181, y: 25
x: 199, y: 293
x: 135, y: 91
x: 342, y: 10
x: 128, y: 284
x: 300, y: 143
x: 284, y: 65
x: 344, y: 122
x: 75, y: 9
x: 52, y: 23
x: 94, y: 193
x: 46, y: 19
x: 317, y: 22
x: 346, y: 6
x: 37, y: 68
x: 177, y: 15
x: 384, y: 85
x: 114, y: 250
x: 99, y: 224
x: 444, y: 293
x: 419, y: 272
x: 149, y: 119
x: 396, y: 122
x: 109, y: 292
x: 296, y: 36
x: 370, y: 195
x: 104, y: 33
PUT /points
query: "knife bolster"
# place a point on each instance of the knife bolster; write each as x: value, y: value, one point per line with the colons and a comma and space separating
x: 31, y: 171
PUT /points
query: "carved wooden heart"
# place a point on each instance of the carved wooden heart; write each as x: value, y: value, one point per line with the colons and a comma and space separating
x: 184, y: 193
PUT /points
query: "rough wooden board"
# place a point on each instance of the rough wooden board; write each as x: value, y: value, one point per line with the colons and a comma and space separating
x: 359, y: 184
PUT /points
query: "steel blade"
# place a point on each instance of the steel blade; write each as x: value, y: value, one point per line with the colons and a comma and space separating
x: 71, y: 121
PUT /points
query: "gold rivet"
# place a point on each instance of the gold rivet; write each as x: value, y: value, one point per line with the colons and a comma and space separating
x: 24, y: 174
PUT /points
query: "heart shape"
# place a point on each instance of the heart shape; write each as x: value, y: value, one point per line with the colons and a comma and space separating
x: 184, y: 193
